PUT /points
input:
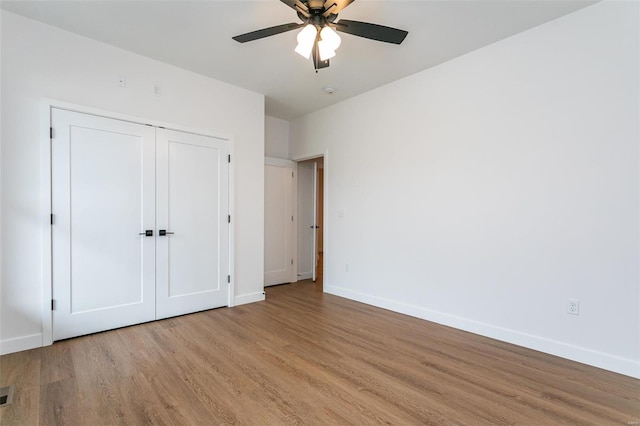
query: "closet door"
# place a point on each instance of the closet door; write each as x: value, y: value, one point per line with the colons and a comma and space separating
x: 103, y: 201
x: 193, y: 231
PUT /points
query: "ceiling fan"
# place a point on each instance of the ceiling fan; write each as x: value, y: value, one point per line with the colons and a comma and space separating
x: 318, y: 36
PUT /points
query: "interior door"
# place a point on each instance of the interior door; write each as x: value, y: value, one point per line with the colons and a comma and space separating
x: 319, y: 234
x: 103, y: 201
x: 304, y: 216
x: 192, y: 222
x: 278, y: 222
x: 314, y: 227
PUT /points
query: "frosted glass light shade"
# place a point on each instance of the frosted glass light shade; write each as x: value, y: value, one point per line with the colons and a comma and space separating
x: 330, y: 37
x: 306, y: 38
x: 325, y: 51
x: 330, y: 41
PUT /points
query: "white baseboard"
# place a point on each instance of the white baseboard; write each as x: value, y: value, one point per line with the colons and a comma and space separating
x: 628, y: 367
x: 305, y: 276
x: 19, y: 344
x: 248, y: 298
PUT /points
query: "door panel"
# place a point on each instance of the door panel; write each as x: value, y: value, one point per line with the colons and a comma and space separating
x: 305, y: 219
x: 102, y: 196
x: 192, y: 203
x: 278, y: 212
x: 319, y: 230
x: 314, y: 227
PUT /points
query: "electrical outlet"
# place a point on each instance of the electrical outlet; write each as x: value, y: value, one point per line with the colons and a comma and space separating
x: 573, y: 307
x: 157, y: 90
x: 122, y: 81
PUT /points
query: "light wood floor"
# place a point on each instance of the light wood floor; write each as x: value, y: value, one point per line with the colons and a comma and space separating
x: 305, y: 357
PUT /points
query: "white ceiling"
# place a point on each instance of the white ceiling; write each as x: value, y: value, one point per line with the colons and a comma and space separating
x: 196, y: 35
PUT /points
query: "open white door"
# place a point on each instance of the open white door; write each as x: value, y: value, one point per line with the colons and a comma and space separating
x: 314, y: 227
x: 192, y: 221
x: 103, y: 200
x: 278, y: 221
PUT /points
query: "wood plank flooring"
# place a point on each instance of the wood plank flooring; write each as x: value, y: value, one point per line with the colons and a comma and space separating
x: 305, y: 357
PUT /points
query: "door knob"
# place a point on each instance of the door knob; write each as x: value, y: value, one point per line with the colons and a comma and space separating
x: 147, y: 233
x: 314, y: 227
x: 164, y: 232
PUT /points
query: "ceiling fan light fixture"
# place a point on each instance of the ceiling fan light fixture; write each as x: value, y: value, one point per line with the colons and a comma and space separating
x: 319, y: 37
x: 306, y: 38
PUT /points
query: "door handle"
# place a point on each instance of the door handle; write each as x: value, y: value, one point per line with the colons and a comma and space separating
x: 147, y: 233
x: 164, y: 232
x: 314, y: 227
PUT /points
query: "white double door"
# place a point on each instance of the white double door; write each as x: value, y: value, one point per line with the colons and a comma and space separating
x: 140, y: 227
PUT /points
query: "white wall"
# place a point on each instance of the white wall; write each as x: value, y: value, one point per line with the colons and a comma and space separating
x: 276, y: 138
x: 485, y: 192
x: 42, y: 61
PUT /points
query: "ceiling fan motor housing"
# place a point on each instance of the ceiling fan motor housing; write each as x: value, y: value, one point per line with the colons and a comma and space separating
x: 315, y: 6
x: 316, y: 13
x: 318, y: 20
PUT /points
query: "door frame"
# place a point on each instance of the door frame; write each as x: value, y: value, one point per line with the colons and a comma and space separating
x: 325, y: 204
x: 46, y: 105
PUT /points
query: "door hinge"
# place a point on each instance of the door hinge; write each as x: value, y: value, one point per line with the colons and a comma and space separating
x: 229, y: 158
x: 229, y: 219
x: 50, y: 132
x: 53, y: 304
x: 52, y: 218
x: 291, y: 175
x: 228, y: 278
x: 292, y: 261
x: 291, y: 218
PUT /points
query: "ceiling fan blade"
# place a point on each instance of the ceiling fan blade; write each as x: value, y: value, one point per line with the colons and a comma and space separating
x: 371, y: 31
x: 266, y: 32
